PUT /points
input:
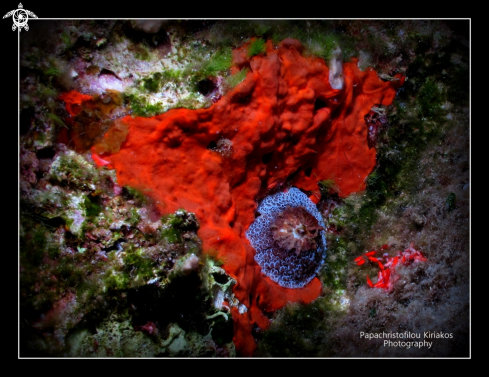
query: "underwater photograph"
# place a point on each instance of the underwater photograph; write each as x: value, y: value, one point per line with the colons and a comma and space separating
x: 243, y: 188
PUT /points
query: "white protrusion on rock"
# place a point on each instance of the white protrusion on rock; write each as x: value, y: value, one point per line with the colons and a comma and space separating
x: 336, y: 69
x: 242, y: 308
x: 190, y: 264
x: 218, y: 298
x: 148, y: 26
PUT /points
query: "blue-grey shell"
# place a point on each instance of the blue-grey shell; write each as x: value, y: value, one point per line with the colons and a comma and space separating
x: 284, y: 267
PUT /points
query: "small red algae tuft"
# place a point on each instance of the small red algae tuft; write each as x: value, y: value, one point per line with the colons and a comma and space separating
x: 149, y: 328
x: 283, y: 125
x: 386, y: 277
x: 73, y: 101
x: 99, y: 161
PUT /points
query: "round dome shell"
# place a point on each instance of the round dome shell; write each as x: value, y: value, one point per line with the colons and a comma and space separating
x: 290, y: 245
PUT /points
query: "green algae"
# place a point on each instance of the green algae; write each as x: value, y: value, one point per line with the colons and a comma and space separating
x: 256, y: 47
x: 57, y: 120
x: 153, y: 83
x: 172, y: 74
x: 52, y: 72
x: 172, y: 235
x: 219, y: 62
x: 292, y: 335
x: 322, y: 45
x: 142, y: 52
x: 450, y: 202
x: 334, y: 273
x: 233, y: 80
x: 140, y: 199
x: 92, y: 208
x: 156, y: 81
x: 181, y: 219
x: 73, y: 170
x: 140, y: 105
x: 174, y: 224
x: 327, y: 187
x: 192, y: 102
x: 32, y: 246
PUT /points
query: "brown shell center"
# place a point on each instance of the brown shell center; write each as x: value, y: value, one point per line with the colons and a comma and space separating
x: 296, y: 230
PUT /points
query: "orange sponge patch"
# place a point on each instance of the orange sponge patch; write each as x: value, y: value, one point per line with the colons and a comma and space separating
x: 283, y: 124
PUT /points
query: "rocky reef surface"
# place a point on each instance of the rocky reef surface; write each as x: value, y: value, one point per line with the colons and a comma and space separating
x: 104, y: 272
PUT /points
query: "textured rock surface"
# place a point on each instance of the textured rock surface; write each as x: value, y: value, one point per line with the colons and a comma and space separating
x: 91, y: 248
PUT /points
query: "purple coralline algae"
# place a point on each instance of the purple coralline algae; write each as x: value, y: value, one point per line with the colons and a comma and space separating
x: 289, y: 238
